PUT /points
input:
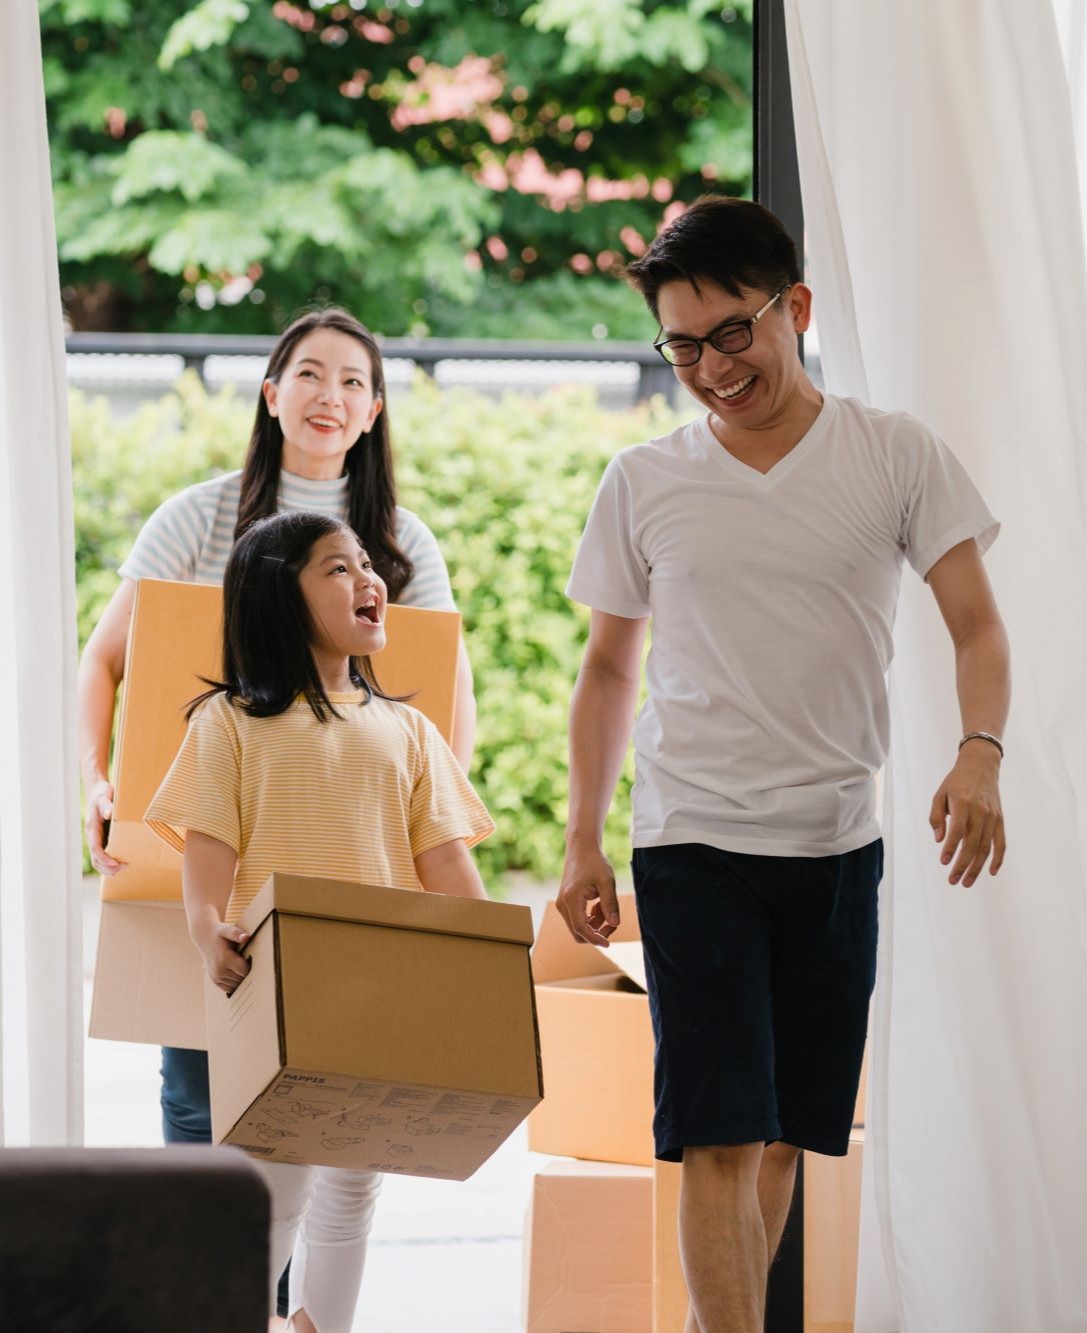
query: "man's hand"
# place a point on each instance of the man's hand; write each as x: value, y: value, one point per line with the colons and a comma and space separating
x: 223, y: 962
x: 587, y: 898
x: 966, y: 815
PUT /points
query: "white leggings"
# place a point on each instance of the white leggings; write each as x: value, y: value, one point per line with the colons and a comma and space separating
x: 328, y: 1250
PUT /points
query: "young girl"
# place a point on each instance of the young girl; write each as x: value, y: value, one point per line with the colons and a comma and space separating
x: 296, y: 761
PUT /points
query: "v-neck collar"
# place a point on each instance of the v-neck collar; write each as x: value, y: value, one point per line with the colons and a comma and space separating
x: 765, y: 481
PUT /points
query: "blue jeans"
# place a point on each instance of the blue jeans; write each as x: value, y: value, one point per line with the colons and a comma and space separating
x: 186, y: 1102
x: 186, y: 1114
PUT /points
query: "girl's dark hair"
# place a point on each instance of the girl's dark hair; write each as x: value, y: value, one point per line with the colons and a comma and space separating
x: 731, y: 242
x: 371, y: 490
x: 267, y: 628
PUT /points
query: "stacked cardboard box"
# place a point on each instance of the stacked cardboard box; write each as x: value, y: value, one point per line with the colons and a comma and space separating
x: 596, y: 1042
x: 148, y: 980
x: 589, y: 1257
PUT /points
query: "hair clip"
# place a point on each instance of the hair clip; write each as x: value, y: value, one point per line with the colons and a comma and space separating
x: 276, y: 559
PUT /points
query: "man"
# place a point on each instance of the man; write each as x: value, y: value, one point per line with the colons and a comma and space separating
x: 765, y: 542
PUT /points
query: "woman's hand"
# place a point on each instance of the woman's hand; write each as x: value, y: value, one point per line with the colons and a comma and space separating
x: 99, y: 797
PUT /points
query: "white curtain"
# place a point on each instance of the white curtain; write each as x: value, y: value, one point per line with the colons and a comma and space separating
x: 938, y: 170
x: 41, y: 1007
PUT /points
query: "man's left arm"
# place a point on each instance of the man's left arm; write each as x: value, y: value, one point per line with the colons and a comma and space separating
x: 966, y: 815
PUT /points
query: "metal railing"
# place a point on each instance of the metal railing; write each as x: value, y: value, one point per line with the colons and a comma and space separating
x: 654, y: 377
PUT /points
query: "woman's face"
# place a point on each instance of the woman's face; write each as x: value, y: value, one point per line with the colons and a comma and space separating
x: 324, y: 400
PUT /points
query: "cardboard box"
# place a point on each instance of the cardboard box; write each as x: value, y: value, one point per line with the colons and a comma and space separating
x: 588, y: 1249
x: 669, y: 1287
x: 832, y: 1202
x: 174, y: 640
x: 597, y: 1044
x: 379, y: 1029
x: 832, y: 1228
x: 148, y: 980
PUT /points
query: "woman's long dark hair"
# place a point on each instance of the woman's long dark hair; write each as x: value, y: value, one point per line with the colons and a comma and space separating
x: 267, y: 627
x: 371, y: 489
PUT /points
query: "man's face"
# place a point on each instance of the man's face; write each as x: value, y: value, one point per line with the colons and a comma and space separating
x: 749, y: 390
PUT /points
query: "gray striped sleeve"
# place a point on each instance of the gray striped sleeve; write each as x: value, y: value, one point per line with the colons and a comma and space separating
x: 169, y: 543
x: 429, y: 586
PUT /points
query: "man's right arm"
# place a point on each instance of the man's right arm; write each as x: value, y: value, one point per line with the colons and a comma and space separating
x: 601, y: 718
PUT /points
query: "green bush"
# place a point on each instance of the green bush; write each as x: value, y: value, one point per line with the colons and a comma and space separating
x: 505, y: 486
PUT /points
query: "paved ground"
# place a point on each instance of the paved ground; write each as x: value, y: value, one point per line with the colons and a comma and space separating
x: 444, y: 1258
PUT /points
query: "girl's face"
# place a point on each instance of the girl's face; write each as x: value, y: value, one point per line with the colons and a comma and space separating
x: 346, y: 600
x: 324, y: 400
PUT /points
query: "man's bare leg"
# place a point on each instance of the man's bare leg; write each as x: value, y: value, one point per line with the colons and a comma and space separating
x: 775, y: 1181
x: 722, y: 1239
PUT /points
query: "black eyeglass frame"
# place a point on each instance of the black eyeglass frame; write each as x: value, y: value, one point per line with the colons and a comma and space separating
x: 730, y: 324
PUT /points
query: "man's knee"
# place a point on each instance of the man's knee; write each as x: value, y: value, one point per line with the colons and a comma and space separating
x: 780, y: 1156
x: 727, y: 1164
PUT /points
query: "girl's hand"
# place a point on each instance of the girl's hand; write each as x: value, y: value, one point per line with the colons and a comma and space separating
x: 99, y: 809
x: 222, y: 960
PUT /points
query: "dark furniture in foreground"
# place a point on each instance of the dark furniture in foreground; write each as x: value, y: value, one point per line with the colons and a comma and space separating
x: 155, y: 1240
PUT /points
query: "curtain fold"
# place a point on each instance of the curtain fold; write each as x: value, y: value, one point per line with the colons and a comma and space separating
x: 938, y: 170
x: 41, y: 1004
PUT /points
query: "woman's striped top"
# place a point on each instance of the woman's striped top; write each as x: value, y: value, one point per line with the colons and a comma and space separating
x: 189, y: 536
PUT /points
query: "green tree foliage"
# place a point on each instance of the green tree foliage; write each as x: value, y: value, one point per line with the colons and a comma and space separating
x: 440, y: 167
x: 505, y: 485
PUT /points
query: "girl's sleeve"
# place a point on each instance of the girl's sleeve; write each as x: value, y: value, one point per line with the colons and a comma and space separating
x: 444, y: 805
x: 202, y: 790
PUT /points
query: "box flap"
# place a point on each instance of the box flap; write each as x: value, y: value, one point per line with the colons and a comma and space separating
x: 142, y: 884
x: 407, y: 909
x: 559, y: 957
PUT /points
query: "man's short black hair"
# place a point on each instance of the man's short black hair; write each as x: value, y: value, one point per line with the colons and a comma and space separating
x: 737, y: 244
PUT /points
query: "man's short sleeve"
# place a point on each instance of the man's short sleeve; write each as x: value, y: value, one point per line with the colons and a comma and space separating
x: 169, y: 543
x: 202, y: 790
x: 610, y: 573
x: 941, y: 506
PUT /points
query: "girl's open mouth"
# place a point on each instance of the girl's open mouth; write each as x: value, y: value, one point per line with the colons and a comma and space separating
x: 368, y: 613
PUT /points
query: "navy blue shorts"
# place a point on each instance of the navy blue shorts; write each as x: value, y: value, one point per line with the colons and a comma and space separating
x: 760, y: 970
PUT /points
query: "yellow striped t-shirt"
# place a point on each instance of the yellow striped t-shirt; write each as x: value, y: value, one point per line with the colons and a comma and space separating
x: 356, y: 797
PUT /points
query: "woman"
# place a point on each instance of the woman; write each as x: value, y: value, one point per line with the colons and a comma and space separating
x: 320, y: 442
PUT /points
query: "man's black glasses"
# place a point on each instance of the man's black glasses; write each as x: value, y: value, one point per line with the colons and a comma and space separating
x: 730, y: 337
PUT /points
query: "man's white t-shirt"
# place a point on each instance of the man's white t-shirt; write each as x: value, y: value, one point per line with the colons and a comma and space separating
x: 772, y: 600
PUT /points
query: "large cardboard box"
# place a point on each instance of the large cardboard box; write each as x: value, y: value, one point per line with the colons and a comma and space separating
x: 597, y: 1044
x: 832, y: 1202
x: 379, y: 1029
x: 148, y: 978
x: 588, y: 1249
x: 832, y: 1229
x: 148, y: 981
x: 670, y: 1301
x: 174, y: 642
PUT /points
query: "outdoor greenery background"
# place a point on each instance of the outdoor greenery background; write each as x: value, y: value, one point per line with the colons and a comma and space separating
x: 442, y: 167
x: 504, y: 484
